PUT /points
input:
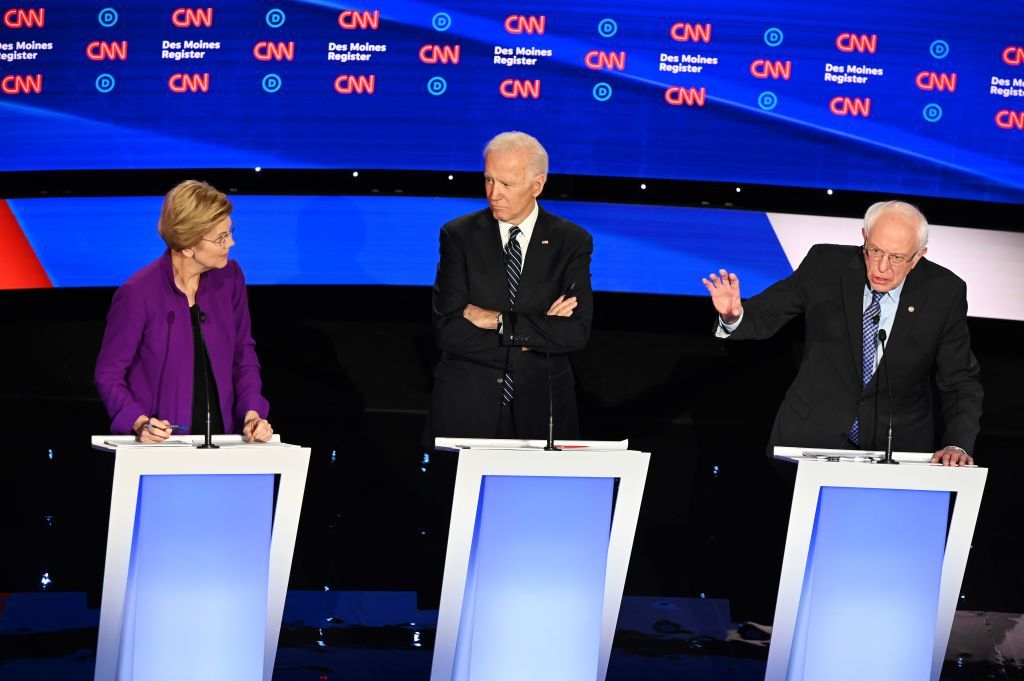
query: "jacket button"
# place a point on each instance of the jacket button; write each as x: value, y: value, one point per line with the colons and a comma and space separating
x: 501, y: 380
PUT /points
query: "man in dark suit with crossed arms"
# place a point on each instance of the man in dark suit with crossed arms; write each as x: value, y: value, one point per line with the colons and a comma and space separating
x: 846, y: 293
x: 512, y: 285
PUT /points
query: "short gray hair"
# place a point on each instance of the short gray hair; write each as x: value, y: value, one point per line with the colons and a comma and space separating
x: 515, y: 140
x: 909, y: 211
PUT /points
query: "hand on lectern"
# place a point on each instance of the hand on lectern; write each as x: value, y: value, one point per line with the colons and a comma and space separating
x: 724, y: 288
x: 256, y: 429
x: 952, y: 456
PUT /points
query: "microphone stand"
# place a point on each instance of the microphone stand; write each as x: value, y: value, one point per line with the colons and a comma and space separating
x: 887, y: 459
x: 550, y: 446
x: 208, y: 444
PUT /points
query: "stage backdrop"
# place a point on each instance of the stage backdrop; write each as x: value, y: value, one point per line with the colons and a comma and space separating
x: 393, y: 240
x: 876, y: 95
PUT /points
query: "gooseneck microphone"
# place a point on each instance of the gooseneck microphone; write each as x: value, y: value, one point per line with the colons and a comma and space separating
x: 208, y: 444
x: 892, y: 405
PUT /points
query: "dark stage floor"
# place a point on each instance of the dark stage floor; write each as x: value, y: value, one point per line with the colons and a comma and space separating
x: 381, y: 635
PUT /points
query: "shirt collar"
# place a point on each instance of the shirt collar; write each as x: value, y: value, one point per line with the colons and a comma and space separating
x: 526, y: 226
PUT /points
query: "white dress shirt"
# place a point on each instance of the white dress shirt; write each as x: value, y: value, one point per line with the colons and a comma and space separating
x: 526, y: 227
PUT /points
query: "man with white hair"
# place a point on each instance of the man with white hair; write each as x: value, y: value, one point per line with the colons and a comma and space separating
x: 847, y: 294
x: 512, y: 286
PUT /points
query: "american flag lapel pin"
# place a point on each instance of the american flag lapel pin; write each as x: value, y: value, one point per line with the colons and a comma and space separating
x: 545, y: 242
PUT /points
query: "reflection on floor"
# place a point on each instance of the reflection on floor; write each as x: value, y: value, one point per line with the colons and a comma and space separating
x: 364, y: 635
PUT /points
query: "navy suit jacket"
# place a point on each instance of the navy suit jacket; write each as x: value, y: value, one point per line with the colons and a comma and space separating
x: 929, y: 344
x: 466, y: 399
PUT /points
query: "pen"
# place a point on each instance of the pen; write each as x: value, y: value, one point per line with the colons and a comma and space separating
x: 173, y: 426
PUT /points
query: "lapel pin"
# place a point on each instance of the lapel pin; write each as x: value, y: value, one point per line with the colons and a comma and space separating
x: 910, y: 309
x: 545, y: 242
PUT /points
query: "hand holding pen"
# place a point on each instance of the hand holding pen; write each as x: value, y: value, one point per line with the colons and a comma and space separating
x: 150, y: 429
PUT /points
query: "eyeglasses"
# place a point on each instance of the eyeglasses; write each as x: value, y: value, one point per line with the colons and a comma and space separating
x: 896, y: 260
x: 223, y: 239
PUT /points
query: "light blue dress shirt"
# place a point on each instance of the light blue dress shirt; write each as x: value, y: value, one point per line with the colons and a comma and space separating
x: 888, y: 303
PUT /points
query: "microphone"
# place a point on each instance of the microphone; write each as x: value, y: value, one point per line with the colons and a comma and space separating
x: 208, y: 444
x: 888, y: 445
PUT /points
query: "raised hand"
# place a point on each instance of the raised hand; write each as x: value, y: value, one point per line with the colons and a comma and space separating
x: 724, y: 288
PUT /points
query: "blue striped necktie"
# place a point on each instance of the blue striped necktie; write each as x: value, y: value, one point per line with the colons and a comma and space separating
x: 872, y: 316
x: 513, y: 268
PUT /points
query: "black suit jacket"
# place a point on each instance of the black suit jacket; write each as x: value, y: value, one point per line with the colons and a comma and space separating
x: 929, y: 340
x: 466, y: 399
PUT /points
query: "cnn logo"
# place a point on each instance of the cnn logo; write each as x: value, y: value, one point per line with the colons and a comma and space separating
x: 181, y: 83
x: 599, y: 60
x: 355, y: 85
x: 850, y: 106
x: 440, y: 54
x: 188, y: 17
x: 685, y: 96
x: 22, y: 85
x: 512, y: 88
x: 268, y: 51
x: 852, y: 42
x: 102, y: 50
x: 353, y: 20
x: 1013, y: 55
x: 763, y: 68
x: 929, y: 80
x: 690, y: 33
x: 25, y: 18
x: 518, y: 23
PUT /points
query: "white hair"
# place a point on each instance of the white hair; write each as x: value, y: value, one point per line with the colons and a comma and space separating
x: 513, y: 141
x: 909, y: 211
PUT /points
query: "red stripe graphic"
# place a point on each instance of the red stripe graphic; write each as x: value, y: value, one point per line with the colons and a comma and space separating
x: 19, y: 266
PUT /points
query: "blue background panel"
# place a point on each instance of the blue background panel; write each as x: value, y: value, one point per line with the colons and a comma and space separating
x: 631, y: 132
x: 394, y: 240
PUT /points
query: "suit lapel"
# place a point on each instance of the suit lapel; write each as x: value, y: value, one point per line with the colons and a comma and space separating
x: 853, y: 282
x: 913, y: 297
x: 538, y: 255
x: 492, y: 256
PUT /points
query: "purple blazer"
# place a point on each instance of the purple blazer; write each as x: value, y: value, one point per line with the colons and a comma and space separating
x: 145, y: 365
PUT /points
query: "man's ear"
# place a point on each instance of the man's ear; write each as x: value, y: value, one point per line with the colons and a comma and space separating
x: 538, y: 184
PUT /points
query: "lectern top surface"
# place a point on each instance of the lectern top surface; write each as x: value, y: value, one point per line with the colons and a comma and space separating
x: 457, y: 443
x: 110, y: 443
x: 800, y: 454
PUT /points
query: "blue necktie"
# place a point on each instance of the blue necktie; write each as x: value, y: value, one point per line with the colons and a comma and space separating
x: 872, y: 316
x: 513, y: 268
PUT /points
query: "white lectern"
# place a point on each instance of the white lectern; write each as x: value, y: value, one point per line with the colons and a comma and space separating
x: 537, y: 555
x: 875, y: 557
x: 198, y: 555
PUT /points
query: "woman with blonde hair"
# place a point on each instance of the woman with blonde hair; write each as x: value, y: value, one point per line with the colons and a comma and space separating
x: 151, y: 373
